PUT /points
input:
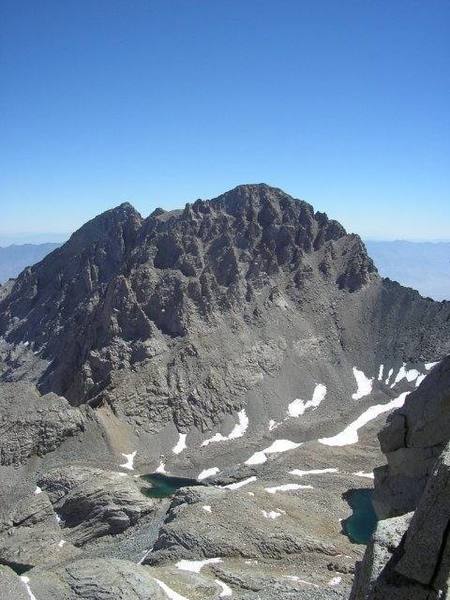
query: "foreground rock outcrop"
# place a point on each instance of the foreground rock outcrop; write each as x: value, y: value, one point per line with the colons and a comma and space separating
x: 409, y: 556
x: 413, y: 439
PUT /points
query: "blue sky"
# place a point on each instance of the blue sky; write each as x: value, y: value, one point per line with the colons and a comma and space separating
x: 343, y: 103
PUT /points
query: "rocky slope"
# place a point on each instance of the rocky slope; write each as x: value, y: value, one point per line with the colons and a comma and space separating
x: 246, y: 341
x: 409, y: 556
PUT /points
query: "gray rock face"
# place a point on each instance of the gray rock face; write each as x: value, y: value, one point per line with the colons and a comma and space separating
x: 31, y: 535
x: 386, y: 538
x: 412, y: 440
x: 22, y: 548
x: 31, y: 424
x: 11, y: 587
x: 233, y: 528
x: 426, y: 550
x: 95, y: 580
x: 79, y: 505
x: 409, y: 555
x: 92, y: 503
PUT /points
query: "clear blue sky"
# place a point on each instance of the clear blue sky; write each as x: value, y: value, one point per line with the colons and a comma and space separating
x: 343, y: 103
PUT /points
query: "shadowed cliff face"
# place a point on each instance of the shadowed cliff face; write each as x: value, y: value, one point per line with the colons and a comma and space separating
x: 180, y: 314
x: 409, y: 555
x: 413, y: 438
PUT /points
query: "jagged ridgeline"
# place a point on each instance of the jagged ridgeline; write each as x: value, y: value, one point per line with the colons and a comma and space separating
x: 177, y: 316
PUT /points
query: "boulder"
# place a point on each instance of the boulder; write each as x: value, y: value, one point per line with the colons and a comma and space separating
x: 92, y: 502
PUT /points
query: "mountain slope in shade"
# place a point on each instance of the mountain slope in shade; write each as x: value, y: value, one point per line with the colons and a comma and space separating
x: 14, y: 258
x: 424, y: 266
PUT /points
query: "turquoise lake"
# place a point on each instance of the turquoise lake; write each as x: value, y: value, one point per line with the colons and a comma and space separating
x: 361, y: 524
x: 165, y: 485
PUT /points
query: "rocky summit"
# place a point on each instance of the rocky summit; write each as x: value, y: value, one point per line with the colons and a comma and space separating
x: 190, y: 405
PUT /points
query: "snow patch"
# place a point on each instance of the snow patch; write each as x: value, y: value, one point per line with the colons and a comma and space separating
x: 335, y: 581
x: 37, y: 491
x: 273, y: 424
x: 207, y: 473
x: 297, y: 407
x: 301, y: 473
x: 272, y: 514
x: 287, y: 487
x: 364, y: 384
x: 258, y: 458
x: 226, y: 590
x: 430, y: 365
x: 181, y: 444
x: 420, y: 379
x: 195, y: 566
x: 241, y: 427
x: 380, y: 372
x: 363, y: 474
x: 161, y: 469
x: 391, y: 372
x: 408, y: 374
x: 238, y: 430
x: 207, y: 508
x: 61, y: 543
x: 239, y: 484
x: 26, y: 581
x: 298, y: 580
x: 350, y: 433
x: 171, y: 594
x: 412, y: 375
x: 130, y: 459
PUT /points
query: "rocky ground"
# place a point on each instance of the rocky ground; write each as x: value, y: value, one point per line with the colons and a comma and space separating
x: 266, y: 529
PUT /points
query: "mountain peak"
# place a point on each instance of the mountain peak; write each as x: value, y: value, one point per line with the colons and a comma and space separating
x: 122, y: 282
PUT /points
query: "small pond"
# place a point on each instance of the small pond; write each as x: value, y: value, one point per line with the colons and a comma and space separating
x: 165, y: 485
x: 359, y: 526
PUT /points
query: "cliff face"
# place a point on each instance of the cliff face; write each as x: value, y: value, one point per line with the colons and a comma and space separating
x: 415, y: 436
x: 177, y: 316
x: 409, y: 556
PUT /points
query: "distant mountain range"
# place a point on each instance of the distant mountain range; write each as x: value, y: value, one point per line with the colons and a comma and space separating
x: 14, y: 259
x: 424, y: 266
